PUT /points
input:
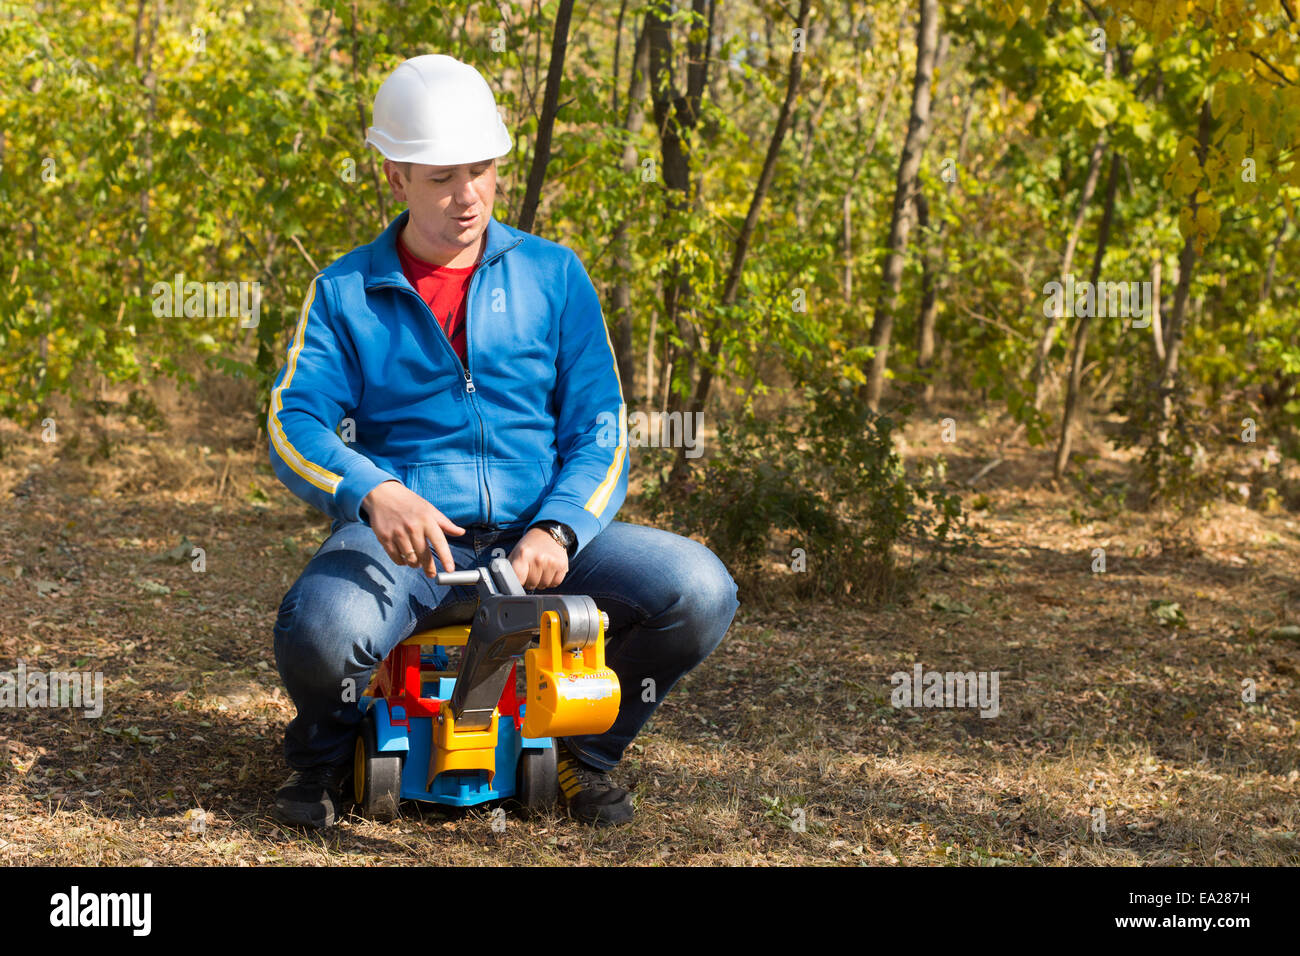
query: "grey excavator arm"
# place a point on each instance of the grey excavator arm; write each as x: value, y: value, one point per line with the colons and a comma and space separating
x: 506, y: 621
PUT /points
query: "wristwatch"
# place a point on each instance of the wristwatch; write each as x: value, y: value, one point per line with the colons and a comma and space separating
x: 560, y: 532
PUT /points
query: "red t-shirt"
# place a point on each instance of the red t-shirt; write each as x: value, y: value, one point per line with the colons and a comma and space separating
x: 444, y: 290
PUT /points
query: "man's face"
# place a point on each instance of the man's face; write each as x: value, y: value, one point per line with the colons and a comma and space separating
x: 450, y: 205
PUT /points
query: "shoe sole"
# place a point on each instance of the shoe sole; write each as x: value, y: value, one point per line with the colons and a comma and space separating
x: 303, y: 818
x: 601, y: 817
x: 600, y: 821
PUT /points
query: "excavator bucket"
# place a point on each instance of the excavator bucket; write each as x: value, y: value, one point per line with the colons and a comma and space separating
x: 570, y: 690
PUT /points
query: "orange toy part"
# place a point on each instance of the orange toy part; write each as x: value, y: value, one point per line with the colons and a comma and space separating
x: 569, y: 691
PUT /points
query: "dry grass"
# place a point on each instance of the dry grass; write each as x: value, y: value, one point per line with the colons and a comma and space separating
x: 1101, y: 706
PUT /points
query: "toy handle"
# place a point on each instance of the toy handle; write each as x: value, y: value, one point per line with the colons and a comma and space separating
x: 452, y: 578
x: 498, y: 578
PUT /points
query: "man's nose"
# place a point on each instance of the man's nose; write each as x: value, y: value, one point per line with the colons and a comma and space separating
x: 465, y: 194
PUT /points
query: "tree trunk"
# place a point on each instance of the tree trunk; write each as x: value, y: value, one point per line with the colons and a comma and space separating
x: 618, y: 49
x: 622, y: 292
x: 929, y: 298
x: 741, y: 249
x: 650, y: 359
x: 361, y: 118
x: 732, y: 287
x: 967, y: 114
x: 675, y: 118
x: 150, y: 81
x: 869, y: 149
x: 1186, y: 265
x: 1072, y: 241
x: 1157, y: 326
x: 1081, y: 328
x: 930, y: 239
x: 1067, y: 263
x: 805, y: 163
x: 546, y: 121
x: 918, y: 131
x: 853, y: 181
x: 1266, y: 287
x: 1174, y: 340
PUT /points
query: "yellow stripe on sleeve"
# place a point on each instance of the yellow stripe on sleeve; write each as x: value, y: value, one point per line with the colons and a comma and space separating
x: 310, y: 472
x: 600, y: 497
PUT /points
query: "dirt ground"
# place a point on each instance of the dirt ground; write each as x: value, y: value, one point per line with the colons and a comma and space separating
x: 1122, y: 735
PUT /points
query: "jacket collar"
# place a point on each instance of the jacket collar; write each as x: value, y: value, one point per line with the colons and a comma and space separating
x: 386, y: 266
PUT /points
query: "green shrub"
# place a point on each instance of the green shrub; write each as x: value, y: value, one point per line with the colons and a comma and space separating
x: 827, y: 483
x: 1178, y: 469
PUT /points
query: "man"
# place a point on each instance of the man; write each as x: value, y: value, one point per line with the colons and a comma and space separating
x: 447, y: 395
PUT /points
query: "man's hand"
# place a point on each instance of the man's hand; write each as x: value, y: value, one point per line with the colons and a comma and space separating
x: 538, y: 560
x: 406, y: 524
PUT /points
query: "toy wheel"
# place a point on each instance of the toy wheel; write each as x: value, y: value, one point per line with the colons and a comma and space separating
x: 537, y: 781
x: 376, y: 777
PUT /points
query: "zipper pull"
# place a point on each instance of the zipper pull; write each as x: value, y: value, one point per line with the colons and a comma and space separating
x: 469, y: 382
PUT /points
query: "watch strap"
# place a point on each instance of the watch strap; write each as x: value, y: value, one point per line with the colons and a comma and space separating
x: 562, y: 534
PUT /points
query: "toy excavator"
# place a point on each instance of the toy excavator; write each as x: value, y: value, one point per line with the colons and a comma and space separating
x: 463, y: 737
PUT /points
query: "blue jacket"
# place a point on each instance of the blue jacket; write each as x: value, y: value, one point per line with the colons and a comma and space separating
x: 517, y: 437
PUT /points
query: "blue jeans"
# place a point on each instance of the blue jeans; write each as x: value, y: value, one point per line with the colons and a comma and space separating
x: 669, y: 599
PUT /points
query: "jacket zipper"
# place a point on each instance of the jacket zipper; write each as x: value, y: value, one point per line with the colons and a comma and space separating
x: 469, y: 355
x: 469, y: 380
x: 469, y: 387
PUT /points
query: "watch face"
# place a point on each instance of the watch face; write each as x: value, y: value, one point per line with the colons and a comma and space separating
x: 560, y: 533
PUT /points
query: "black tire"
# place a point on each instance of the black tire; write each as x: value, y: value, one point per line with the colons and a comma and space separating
x: 376, y: 777
x: 537, y: 786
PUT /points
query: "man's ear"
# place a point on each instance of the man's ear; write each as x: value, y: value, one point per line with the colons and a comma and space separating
x: 396, y: 181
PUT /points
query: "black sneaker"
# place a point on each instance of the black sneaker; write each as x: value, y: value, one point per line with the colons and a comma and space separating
x: 314, y: 797
x: 589, y: 794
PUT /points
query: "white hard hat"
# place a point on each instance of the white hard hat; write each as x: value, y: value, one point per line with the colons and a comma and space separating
x: 437, y: 111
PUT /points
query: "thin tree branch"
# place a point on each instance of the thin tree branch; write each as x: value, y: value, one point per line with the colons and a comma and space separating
x: 310, y: 261
x: 1285, y: 80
